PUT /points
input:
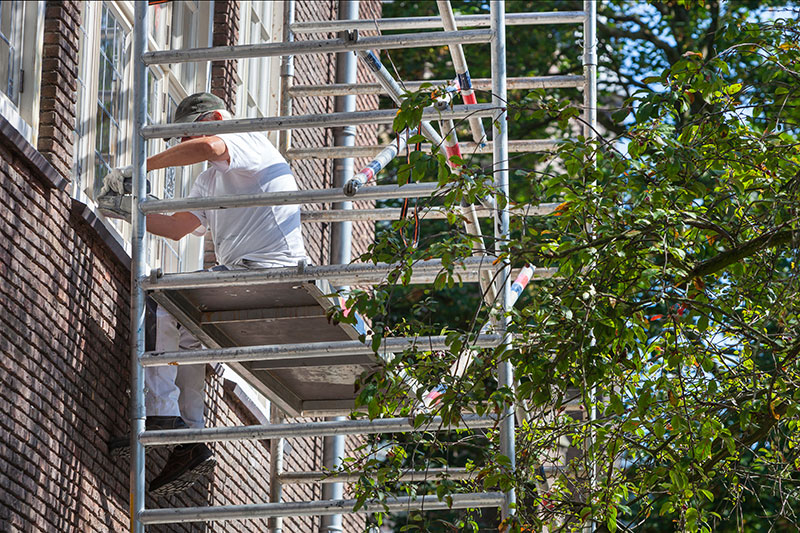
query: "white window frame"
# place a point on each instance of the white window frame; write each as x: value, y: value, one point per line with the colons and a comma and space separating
x: 171, y: 256
x: 24, y: 116
x: 267, y: 19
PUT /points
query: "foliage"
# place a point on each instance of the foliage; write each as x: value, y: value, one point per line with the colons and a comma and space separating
x: 672, y: 315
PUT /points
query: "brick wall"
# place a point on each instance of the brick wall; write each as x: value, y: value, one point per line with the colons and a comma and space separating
x: 64, y: 320
x: 59, y: 83
x: 64, y: 340
x: 226, y: 33
x: 318, y: 173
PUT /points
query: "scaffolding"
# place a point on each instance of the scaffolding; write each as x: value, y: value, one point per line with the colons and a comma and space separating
x: 262, y: 364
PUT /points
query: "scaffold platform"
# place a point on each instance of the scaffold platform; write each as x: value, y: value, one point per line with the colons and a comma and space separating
x: 278, y: 314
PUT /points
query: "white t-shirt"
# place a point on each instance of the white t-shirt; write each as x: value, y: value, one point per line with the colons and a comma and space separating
x: 268, y: 234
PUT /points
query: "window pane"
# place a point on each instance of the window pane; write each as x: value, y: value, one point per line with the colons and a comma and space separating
x: 158, y: 24
x: 81, y: 122
x: 11, y: 47
x: 256, y: 70
x: 110, y: 97
x: 184, y: 35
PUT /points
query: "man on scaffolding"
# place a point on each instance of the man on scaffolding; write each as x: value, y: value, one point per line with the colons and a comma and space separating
x: 244, y: 238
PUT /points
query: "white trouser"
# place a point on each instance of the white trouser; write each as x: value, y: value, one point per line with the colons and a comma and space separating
x: 175, y: 390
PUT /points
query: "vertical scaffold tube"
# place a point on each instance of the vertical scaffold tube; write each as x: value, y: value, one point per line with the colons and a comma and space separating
x: 276, y: 448
x: 590, y: 135
x: 333, y: 448
x: 505, y: 372
x: 138, y: 262
x: 285, y: 143
x: 287, y: 76
x: 462, y: 72
x: 590, y: 70
x: 346, y: 65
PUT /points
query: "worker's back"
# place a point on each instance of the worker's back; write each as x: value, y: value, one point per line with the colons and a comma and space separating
x: 265, y: 234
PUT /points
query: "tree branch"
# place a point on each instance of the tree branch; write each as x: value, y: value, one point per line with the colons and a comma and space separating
x: 713, y: 27
x: 724, y: 259
x: 643, y: 34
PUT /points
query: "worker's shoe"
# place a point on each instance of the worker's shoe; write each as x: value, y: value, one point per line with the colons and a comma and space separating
x: 120, y: 447
x: 186, y: 465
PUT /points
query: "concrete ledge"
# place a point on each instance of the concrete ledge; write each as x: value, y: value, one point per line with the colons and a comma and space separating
x: 83, y: 212
x: 47, y: 174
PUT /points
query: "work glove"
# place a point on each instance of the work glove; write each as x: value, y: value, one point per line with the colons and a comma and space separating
x: 118, y: 181
x: 115, y: 198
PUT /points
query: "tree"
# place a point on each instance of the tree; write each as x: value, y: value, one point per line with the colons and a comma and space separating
x: 672, y: 312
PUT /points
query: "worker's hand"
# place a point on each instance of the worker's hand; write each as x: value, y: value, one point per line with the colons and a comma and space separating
x: 115, y: 182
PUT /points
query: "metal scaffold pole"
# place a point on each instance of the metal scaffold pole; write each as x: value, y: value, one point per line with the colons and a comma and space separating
x: 435, y: 22
x: 333, y: 448
x: 590, y: 70
x: 287, y: 76
x: 392, y: 504
x: 380, y: 116
x: 505, y: 372
x: 478, y: 84
x: 327, y: 428
x: 467, y: 148
x: 138, y: 265
x: 590, y: 135
x: 276, y: 449
x: 244, y: 51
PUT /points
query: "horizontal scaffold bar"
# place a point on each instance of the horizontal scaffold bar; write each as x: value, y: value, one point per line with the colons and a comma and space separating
x: 467, y: 148
x: 331, y: 120
x: 483, y: 84
x: 430, y: 213
x: 384, y: 42
x: 300, y: 430
x: 375, y: 192
x: 352, y: 274
x: 431, y: 474
x: 276, y: 352
x: 419, y: 23
x: 324, y: 507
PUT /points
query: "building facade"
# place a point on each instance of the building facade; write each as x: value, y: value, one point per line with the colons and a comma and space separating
x: 65, y: 121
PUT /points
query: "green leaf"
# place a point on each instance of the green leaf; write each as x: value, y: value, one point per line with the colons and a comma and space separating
x: 691, y: 519
x: 573, y: 166
x: 707, y: 493
x: 400, y: 121
x: 734, y: 88
x: 622, y: 114
x: 373, y: 409
x: 658, y: 428
x: 611, y: 519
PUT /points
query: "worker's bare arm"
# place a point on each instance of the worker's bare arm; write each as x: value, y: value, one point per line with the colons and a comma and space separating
x: 189, y: 152
x: 175, y: 226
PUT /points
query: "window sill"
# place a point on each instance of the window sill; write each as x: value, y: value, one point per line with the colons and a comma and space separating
x: 85, y: 213
x: 16, y: 142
